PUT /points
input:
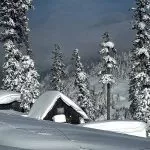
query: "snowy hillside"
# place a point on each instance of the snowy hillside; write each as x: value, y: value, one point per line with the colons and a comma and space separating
x: 24, y: 133
x: 135, y: 128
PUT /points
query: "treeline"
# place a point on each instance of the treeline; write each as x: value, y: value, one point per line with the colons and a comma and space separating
x: 86, y: 85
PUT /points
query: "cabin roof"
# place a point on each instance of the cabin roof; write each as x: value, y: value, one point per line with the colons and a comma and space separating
x: 46, y: 102
x: 7, y: 97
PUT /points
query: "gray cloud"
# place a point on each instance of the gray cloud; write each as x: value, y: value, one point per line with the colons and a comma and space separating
x: 78, y: 24
x: 86, y: 40
x: 109, y: 19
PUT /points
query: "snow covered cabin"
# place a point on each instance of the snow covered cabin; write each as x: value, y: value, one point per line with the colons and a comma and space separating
x: 55, y: 106
x: 9, y: 100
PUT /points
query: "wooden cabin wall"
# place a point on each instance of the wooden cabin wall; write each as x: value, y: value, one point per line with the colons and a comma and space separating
x: 71, y: 115
x: 5, y: 106
x: 14, y: 106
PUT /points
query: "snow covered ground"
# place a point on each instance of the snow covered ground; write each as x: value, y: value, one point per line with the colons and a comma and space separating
x: 135, y: 128
x: 22, y: 133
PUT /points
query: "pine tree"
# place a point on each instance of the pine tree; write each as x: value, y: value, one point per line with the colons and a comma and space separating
x: 12, y: 69
x: 139, y: 92
x: 14, y: 35
x: 12, y: 77
x: 109, y: 65
x: 30, y: 88
x: 57, y: 69
x: 22, y: 7
x: 16, y: 13
x: 83, y: 100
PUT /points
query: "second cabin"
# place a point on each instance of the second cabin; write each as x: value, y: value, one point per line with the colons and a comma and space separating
x: 55, y: 106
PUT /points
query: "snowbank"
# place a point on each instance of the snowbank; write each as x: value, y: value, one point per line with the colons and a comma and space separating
x: 135, y: 128
x: 59, y: 118
x: 20, y: 133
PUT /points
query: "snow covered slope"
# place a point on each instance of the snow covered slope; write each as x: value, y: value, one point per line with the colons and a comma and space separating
x: 18, y: 133
x: 135, y: 128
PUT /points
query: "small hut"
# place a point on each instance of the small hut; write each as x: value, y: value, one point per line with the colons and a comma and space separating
x: 9, y: 100
x: 55, y: 106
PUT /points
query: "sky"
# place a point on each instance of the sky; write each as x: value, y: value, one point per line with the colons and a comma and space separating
x: 78, y: 24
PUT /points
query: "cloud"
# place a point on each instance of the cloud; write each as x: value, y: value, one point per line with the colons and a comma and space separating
x: 77, y: 24
x: 109, y: 19
x: 86, y: 40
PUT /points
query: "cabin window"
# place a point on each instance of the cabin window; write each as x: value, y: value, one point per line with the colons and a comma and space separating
x: 60, y: 110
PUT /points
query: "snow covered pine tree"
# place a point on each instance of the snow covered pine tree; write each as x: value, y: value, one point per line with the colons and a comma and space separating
x: 22, y: 7
x: 14, y: 36
x: 83, y: 100
x: 109, y: 64
x: 12, y: 74
x: 30, y: 87
x: 139, y: 92
x: 57, y: 69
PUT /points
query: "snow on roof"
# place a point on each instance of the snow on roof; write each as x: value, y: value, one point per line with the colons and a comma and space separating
x: 46, y: 102
x: 7, y: 97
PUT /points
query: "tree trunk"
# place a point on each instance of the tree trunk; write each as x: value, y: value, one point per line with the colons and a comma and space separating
x: 108, y: 101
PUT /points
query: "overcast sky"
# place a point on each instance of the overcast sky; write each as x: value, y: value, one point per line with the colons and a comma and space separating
x: 78, y: 24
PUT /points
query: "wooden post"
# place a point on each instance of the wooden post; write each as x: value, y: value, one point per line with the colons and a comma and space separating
x: 108, y: 101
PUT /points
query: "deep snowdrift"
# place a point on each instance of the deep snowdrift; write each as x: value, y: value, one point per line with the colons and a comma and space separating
x: 19, y: 132
x: 135, y: 128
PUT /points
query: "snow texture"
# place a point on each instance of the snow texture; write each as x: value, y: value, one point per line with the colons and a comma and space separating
x: 109, y: 63
x: 22, y: 133
x: 135, y: 128
x: 107, y: 78
x: 144, y: 51
x: 108, y: 44
x: 30, y: 88
x: 142, y: 25
x: 81, y: 82
x: 57, y: 69
x: 46, y: 102
x: 139, y: 88
x: 59, y: 118
x: 110, y: 59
